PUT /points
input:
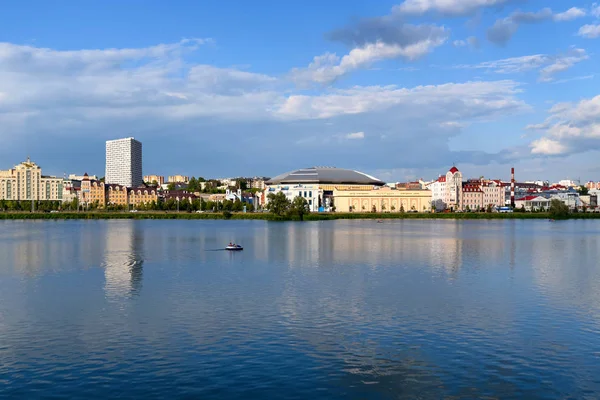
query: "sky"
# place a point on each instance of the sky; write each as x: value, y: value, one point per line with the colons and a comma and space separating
x: 397, y: 89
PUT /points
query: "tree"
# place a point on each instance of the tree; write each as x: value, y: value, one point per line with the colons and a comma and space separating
x: 299, y: 208
x: 373, y: 209
x: 583, y: 191
x: 393, y: 208
x: 171, y: 186
x: 193, y: 185
x: 558, y: 209
x: 402, y: 208
x: 278, y: 204
x: 382, y: 207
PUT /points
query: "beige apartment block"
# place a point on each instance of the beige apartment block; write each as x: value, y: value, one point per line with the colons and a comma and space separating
x: 26, y: 182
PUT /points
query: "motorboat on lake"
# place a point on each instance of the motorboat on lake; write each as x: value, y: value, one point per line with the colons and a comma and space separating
x: 234, y: 247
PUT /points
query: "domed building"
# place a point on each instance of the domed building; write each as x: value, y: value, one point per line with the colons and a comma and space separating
x: 317, y: 185
x: 446, y: 190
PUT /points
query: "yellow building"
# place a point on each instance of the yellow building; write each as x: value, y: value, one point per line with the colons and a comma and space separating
x: 150, y: 179
x: 381, y: 200
x: 26, y: 182
x: 140, y: 196
x: 116, y: 195
x: 179, y: 179
x: 92, y: 192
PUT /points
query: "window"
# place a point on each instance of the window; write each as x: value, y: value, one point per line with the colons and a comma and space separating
x: 310, y: 194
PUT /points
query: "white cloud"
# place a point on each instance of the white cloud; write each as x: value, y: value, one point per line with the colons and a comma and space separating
x: 596, y: 10
x: 445, y: 7
x: 547, y: 65
x: 570, y: 14
x: 429, y: 102
x: 459, y: 43
x: 589, y: 31
x: 328, y: 67
x: 355, y: 136
x: 570, y: 128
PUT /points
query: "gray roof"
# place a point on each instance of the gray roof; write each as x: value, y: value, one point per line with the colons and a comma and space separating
x: 325, y: 175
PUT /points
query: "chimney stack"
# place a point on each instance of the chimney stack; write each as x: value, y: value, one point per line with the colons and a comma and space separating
x: 512, y: 187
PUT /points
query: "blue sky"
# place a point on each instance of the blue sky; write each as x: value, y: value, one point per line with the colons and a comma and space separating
x: 397, y: 89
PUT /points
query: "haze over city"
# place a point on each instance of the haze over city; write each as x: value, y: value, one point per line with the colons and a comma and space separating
x: 397, y: 89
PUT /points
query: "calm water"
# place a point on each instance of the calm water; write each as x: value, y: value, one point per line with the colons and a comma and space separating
x: 345, y: 309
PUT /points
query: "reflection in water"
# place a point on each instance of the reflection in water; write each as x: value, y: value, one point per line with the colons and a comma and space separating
x: 345, y: 309
x: 123, y: 259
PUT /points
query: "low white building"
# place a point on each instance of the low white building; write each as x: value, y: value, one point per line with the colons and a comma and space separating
x: 533, y: 203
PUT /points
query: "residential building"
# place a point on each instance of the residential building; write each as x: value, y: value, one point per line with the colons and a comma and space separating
x: 124, y: 162
x: 593, y: 185
x: 116, y: 195
x: 142, y: 196
x: 150, y: 179
x: 179, y: 179
x: 383, y: 199
x: 408, y: 185
x: 257, y: 184
x: 92, y: 192
x: 179, y: 195
x: 26, y: 182
x: 318, y: 184
x: 446, y: 190
x: 480, y: 194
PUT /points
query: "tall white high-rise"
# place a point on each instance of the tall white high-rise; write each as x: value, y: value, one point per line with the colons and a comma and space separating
x: 124, y: 162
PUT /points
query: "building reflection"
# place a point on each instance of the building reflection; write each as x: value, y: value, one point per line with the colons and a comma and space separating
x: 123, y: 259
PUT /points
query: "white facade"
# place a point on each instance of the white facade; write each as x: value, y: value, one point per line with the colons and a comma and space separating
x: 124, y: 162
x: 446, y: 192
x: 309, y: 192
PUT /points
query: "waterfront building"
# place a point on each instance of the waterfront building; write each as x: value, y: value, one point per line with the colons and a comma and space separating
x: 142, y: 196
x: 383, y: 199
x: 150, y: 179
x: 124, y: 162
x: 26, y: 182
x: 92, y: 192
x: 533, y: 203
x: 116, y: 195
x: 318, y: 184
x: 446, y: 191
x: 479, y: 194
x: 179, y: 179
x: 179, y: 195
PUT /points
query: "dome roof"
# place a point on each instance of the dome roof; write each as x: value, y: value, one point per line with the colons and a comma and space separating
x: 453, y: 170
x: 325, y: 175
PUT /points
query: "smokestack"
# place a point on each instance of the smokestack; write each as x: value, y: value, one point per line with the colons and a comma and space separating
x: 512, y: 187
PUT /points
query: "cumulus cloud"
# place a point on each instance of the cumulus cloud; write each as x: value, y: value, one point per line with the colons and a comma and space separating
x: 371, y: 40
x: 446, y: 7
x: 328, y: 67
x: 85, y: 97
x: 570, y: 128
x: 571, y: 14
x: 503, y: 29
x: 547, y: 65
x: 589, y: 31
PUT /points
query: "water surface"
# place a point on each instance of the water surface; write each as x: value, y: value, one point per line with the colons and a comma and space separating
x: 323, y: 310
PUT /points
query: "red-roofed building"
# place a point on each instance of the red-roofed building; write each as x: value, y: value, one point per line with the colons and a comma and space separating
x: 446, y: 190
x: 533, y: 203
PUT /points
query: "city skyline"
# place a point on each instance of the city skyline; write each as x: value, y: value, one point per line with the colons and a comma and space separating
x: 398, y: 89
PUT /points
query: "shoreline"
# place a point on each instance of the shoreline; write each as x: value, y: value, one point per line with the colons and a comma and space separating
x: 95, y: 215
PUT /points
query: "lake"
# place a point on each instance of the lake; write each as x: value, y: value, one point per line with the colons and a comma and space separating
x: 319, y: 310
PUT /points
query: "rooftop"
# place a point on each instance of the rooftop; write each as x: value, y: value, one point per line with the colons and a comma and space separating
x: 325, y: 175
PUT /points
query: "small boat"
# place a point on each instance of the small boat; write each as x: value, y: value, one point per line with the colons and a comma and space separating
x: 234, y: 247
